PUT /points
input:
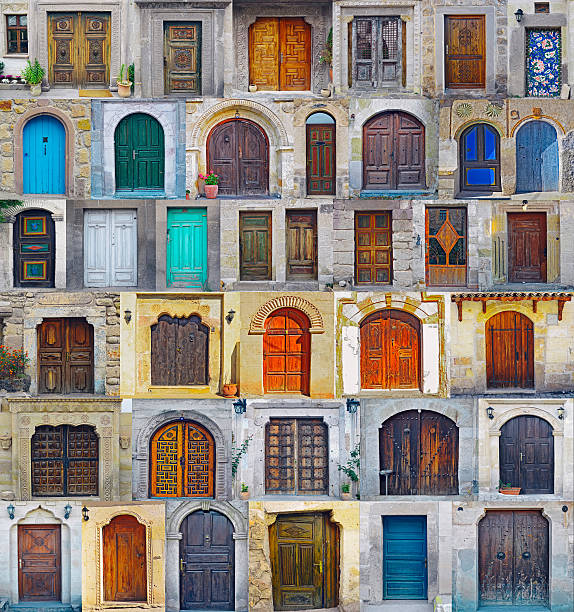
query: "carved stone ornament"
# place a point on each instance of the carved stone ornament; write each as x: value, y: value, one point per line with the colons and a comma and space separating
x: 124, y: 442
x: 5, y: 441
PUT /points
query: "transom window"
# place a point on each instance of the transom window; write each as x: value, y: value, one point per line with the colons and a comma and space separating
x: 480, y: 158
x: 16, y: 34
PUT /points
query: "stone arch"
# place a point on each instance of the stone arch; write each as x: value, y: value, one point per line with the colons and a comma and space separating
x: 560, y: 130
x: 390, y: 307
x: 498, y: 421
x: 388, y: 111
x: 238, y: 520
x: 467, y: 124
x: 303, y: 113
x: 257, y: 325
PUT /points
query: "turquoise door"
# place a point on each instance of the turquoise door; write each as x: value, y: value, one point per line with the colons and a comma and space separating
x: 536, y: 157
x: 404, y: 557
x: 187, y: 247
x: 44, y: 156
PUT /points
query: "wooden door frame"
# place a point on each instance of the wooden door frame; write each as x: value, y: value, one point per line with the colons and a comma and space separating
x: 55, y: 527
x: 544, y: 268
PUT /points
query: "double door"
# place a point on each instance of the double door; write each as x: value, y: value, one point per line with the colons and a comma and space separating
x: 321, y: 159
x: 39, y: 563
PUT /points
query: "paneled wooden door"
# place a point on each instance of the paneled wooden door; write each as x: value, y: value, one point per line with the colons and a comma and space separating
x: 182, y: 58
x: 39, y: 563
x: 304, y: 552
x: 527, y: 247
x: 373, y: 248
x: 526, y: 451
x: 513, y: 558
x: 34, y: 249
x: 187, y: 247
x: 207, y: 562
x: 65, y: 356
x: 446, y: 247
x: 255, y: 246
x: 537, y: 160
x: 465, y: 51
x: 124, y: 559
x: 79, y: 50
x: 301, y: 244
x: 321, y: 160
x: 44, y: 156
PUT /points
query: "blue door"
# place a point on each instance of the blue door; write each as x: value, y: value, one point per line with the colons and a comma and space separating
x: 44, y: 156
x: 187, y: 247
x: 404, y: 557
x: 536, y: 158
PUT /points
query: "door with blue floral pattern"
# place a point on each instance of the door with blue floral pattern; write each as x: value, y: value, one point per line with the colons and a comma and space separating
x: 543, y: 62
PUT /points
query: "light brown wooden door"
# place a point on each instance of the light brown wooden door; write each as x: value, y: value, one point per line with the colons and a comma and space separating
x: 301, y: 244
x: 373, y: 248
x: 446, y: 247
x: 527, y: 247
x: 182, y: 58
x: 255, y: 246
x: 39, y: 563
x: 465, y: 51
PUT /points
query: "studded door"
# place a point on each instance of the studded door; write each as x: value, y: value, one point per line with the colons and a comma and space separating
x: 34, y: 249
x: 446, y: 247
x: 182, y: 58
x: 39, y: 563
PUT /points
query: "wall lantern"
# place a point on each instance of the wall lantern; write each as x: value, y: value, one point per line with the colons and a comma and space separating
x: 352, y: 405
x: 524, y: 205
x: 127, y: 316
x: 85, y: 514
x: 564, y: 508
x: 67, y: 510
x: 561, y: 413
x: 237, y: 114
x: 519, y: 14
x: 490, y: 412
x: 11, y: 510
x: 230, y: 315
x: 240, y: 406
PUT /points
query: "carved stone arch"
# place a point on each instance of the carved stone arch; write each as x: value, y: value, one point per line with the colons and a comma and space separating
x: 257, y: 325
x: 46, y: 516
x: 467, y: 124
x: 356, y: 312
x: 497, y: 423
x: 238, y: 520
x: 388, y: 111
x: 366, y: 314
x: 303, y: 113
x: 560, y: 130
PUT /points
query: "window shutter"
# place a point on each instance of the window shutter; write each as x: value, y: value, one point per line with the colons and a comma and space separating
x: 389, y: 49
x: 365, y: 53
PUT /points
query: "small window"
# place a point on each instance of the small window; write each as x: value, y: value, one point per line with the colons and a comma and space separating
x: 16, y: 34
x: 542, y: 7
x: 480, y: 159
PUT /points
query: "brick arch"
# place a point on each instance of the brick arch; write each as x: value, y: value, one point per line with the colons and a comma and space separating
x: 257, y: 325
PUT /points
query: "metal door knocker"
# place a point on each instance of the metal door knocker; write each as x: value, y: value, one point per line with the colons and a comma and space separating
x: 500, y: 555
x: 526, y: 555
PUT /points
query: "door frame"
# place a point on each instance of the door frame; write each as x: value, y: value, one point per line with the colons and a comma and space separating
x: 55, y: 526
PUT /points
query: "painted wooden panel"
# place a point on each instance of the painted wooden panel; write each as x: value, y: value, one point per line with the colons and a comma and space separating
x: 536, y: 157
x: 527, y: 247
x: 34, y: 249
x: 255, y: 246
x: 301, y: 244
x: 465, y: 51
x: 187, y: 247
x: 446, y: 246
x: 264, y: 53
x: 39, y: 563
x: 373, y: 248
x: 321, y: 159
x: 182, y: 58
x: 543, y: 62
x: 44, y: 156
x: 377, y: 49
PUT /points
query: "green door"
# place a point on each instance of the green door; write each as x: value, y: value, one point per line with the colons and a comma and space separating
x: 140, y: 154
x: 187, y: 247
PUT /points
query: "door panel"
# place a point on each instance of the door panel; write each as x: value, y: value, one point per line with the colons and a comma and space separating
x: 187, y: 247
x: 182, y: 57
x: 263, y: 53
x: 44, y: 156
x: 255, y: 246
x: 301, y: 245
x: 39, y: 563
x: 527, y: 247
x: 465, y: 52
x: 34, y: 249
x: 446, y: 244
x: 373, y: 248
x: 537, y: 162
x: 321, y: 160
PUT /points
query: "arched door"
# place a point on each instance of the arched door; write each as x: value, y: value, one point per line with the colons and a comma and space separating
x: 237, y: 150
x: 321, y: 161
x: 418, y: 451
x: 182, y: 461
x: 479, y: 158
x: 393, y: 152
x: 286, y: 352
x: 34, y: 249
x: 140, y: 153
x: 44, y: 156
x: 390, y: 350
x: 526, y: 454
x: 207, y: 562
x: 509, y: 351
x: 536, y: 157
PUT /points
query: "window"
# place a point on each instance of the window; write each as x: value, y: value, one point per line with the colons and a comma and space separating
x: 16, y: 34
x: 480, y: 158
x: 542, y: 7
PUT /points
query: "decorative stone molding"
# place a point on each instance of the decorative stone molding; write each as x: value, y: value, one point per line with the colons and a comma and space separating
x: 124, y: 442
x: 238, y: 519
x: 287, y: 301
x: 5, y: 442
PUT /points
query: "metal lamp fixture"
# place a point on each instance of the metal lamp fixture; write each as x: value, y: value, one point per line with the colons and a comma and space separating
x: 519, y: 14
x: 67, y: 510
x: 240, y: 406
x: 561, y: 413
x: 352, y: 405
x: 237, y: 114
x: 85, y: 514
x: 10, y: 509
x: 490, y: 412
x: 230, y: 315
x: 127, y: 316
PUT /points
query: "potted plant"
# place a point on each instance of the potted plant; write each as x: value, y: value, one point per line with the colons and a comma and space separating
x: 124, y: 84
x: 33, y: 75
x: 327, y: 53
x: 506, y: 488
x: 244, y: 493
x: 229, y: 390
x: 187, y: 192
x: 252, y: 88
x: 13, y: 364
x: 346, y: 491
x: 211, y: 184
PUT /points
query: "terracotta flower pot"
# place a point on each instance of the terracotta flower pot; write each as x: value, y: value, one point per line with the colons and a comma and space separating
x: 211, y: 191
x: 229, y: 390
x: 244, y: 495
x: 346, y: 496
x: 510, y: 491
x: 124, y: 89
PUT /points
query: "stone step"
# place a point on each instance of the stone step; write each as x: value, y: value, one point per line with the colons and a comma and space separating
x: 44, y: 606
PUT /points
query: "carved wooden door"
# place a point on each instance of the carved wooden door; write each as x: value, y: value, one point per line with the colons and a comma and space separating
x: 65, y: 356
x: 373, y: 248
x: 124, y: 559
x: 182, y: 58
x: 179, y: 351
x: 301, y: 244
x: 34, y: 249
x: 255, y: 246
x: 39, y: 563
x: 182, y: 461
x: 207, y: 562
x: 527, y: 247
x: 446, y: 241
x: 321, y: 159
x: 513, y: 558
x: 286, y: 352
x: 465, y: 51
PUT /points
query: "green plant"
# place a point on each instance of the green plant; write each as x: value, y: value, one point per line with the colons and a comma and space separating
x: 210, y: 178
x: 237, y: 453
x: 327, y: 52
x: 8, y: 207
x: 504, y: 485
x: 244, y: 488
x: 132, y: 75
x: 121, y: 80
x: 1, y: 67
x: 33, y: 73
x: 351, y: 468
x: 13, y: 363
x: 345, y: 487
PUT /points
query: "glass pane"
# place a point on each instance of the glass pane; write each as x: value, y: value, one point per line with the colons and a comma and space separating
x: 381, y: 257
x: 480, y: 176
x: 457, y: 219
x: 381, y: 221
x: 437, y: 256
x: 364, y: 239
x: 489, y: 144
x: 24, y: 47
x: 390, y: 43
x: 457, y: 256
x: 364, y: 221
x: 471, y: 144
x: 12, y: 20
x: 364, y: 276
x: 364, y: 257
x: 319, y: 118
x: 434, y: 220
x: 23, y: 20
x: 382, y: 239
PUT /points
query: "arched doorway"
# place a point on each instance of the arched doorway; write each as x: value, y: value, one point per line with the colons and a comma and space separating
x: 44, y: 156
x: 479, y: 158
x: 238, y: 151
x: 536, y: 157
x: 34, y: 249
x: 321, y: 161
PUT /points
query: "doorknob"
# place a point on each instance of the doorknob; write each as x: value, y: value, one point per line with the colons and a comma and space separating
x: 20, y: 563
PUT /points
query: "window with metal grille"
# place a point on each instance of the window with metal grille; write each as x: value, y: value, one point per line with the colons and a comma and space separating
x: 16, y: 34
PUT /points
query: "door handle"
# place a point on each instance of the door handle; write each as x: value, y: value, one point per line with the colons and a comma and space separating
x: 521, y: 456
x: 134, y: 153
x: 182, y: 565
x: 20, y: 563
x: 426, y: 563
x: 320, y: 564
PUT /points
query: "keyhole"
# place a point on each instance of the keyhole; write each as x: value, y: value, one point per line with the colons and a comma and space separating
x: 191, y: 338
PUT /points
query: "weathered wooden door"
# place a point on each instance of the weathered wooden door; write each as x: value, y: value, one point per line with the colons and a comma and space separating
x: 182, y: 461
x: 207, y: 566
x: 187, y: 247
x: 237, y: 150
x: 110, y: 248
x: 526, y: 454
x: 34, y: 249
x: 297, y: 457
x: 513, y: 558
x: 124, y: 559
x: 65, y: 356
x: 527, y: 247
x: 446, y: 241
x: 182, y: 58
x: 465, y: 51
x: 321, y: 160
x: 139, y: 151
x: 373, y: 248
x: 44, y: 156
x: 304, y: 551
x: 286, y: 352
x: 405, y: 557
x: 179, y: 351
x: 393, y: 152
x: 390, y: 350
x: 421, y: 451
x: 255, y: 245
x: 536, y: 157
x: 509, y: 351
x: 301, y: 244
x: 39, y: 563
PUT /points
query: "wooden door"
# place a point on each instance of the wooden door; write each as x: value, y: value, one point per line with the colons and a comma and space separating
x: 446, y: 244
x: 207, y: 562
x: 304, y: 550
x: 321, y: 159
x: 179, y: 351
x: 264, y: 53
x: 537, y: 164
x: 465, y: 51
x: 296, y: 457
x: 65, y: 356
x: 373, y: 248
x: 182, y: 58
x: 124, y: 559
x: 526, y: 451
x: 527, y: 247
x: 390, y: 350
x: 187, y: 247
x: 513, y: 558
x: 255, y: 245
x: 405, y: 557
x: 34, y: 249
x: 301, y: 244
x: 44, y: 156
x: 286, y: 352
x: 393, y: 152
x: 39, y: 563
x: 509, y: 351
x: 182, y: 461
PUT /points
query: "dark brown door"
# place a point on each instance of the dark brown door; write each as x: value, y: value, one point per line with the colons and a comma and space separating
x: 297, y: 457
x: 238, y: 152
x: 465, y: 52
x: 39, y: 562
x: 393, y: 152
x: 182, y: 58
x: 513, y: 558
x: 390, y: 350
x: 527, y: 247
x: 34, y: 249
x: 255, y: 246
x: 304, y: 552
x: 66, y: 356
x: 527, y: 454
x: 509, y: 351
x: 321, y: 159
x: 446, y: 247
x: 179, y: 351
x: 373, y: 248
x: 301, y: 244
x: 124, y: 559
